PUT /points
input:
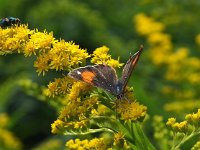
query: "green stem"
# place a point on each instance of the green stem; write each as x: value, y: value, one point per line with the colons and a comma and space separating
x: 106, y: 101
x: 173, y: 142
x: 90, y: 131
x: 186, y: 138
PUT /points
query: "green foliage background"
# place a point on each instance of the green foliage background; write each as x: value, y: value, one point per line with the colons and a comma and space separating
x: 91, y: 24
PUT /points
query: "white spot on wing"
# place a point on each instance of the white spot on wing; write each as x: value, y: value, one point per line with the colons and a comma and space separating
x: 78, y: 72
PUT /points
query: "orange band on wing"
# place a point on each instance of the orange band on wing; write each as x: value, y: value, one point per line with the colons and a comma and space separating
x: 135, y: 61
x: 88, y: 76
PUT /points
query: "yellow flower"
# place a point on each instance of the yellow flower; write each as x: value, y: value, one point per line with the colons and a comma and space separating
x: 159, y: 38
x: 59, y: 86
x: 41, y: 64
x: 171, y: 121
x: 77, y: 88
x: 51, y: 53
x: 76, y: 112
x: 29, y: 49
x: 114, y: 63
x: 53, y: 87
x: 102, y: 110
x: 80, y: 124
x: 101, y: 56
x: 13, y: 39
x: 65, y: 55
x: 178, y: 56
x: 146, y: 25
x: 159, y: 53
x: 180, y: 127
x: 40, y: 41
x: 131, y: 110
x: 76, y: 144
x: 57, y: 126
x: 177, y: 127
x: 120, y: 141
x: 96, y: 143
x: 194, y: 118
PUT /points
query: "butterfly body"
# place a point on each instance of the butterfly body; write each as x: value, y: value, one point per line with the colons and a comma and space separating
x: 105, y: 77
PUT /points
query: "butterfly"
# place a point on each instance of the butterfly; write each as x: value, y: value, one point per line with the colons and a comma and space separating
x: 105, y: 77
x: 6, y: 22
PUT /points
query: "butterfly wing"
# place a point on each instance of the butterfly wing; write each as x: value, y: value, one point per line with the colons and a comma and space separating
x: 101, y: 76
x: 128, y: 68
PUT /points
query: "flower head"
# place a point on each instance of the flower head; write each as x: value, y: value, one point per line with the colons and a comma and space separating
x: 194, y: 118
x: 101, y: 56
x: 120, y: 141
x: 131, y: 110
x: 57, y: 126
x: 146, y: 25
x: 95, y: 143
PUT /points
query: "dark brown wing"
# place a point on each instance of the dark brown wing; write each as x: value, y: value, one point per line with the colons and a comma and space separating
x: 128, y: 68
x: 101, y: 76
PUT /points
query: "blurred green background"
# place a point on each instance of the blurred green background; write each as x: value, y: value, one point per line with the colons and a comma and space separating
x: 168, y: 87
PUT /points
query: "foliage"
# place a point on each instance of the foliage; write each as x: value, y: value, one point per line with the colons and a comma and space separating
x: 166, y: 81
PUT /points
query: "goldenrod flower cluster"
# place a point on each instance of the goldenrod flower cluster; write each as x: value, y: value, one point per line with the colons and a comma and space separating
x: 179, y: 65
x: 130, y: 110
x: 96, y: 143
x: 181, y: 132
x: 162, y: 51
x: 101, y: 56
x: 194, y: 119
x: 160, y: 42
x: 191, y: 119
x: 51, y: 53
x: 177, y: 127
x: 60, y: 86
x: 146, y: 25
x: 76, y: 116
x: 186, y: 129
x: 120, y: 141
x: 99, y: 143
x: 80, y: 103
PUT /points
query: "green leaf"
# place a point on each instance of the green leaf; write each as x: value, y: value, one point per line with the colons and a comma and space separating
x: 141, y: 141
x: 105, y: 122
